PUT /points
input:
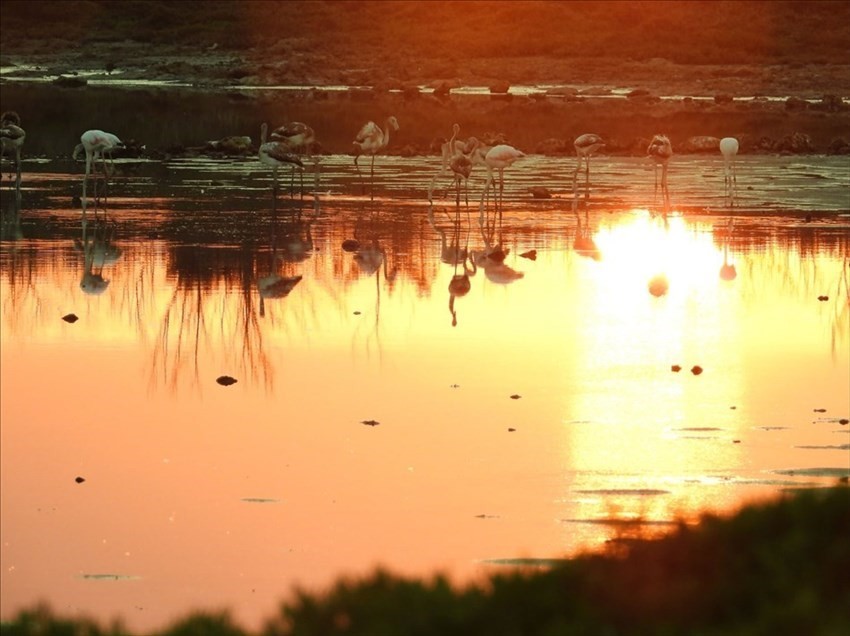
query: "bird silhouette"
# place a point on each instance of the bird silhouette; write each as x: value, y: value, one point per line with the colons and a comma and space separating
x: 370, y: 141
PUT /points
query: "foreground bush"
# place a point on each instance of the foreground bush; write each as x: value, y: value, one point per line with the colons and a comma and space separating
x: 776, y: 568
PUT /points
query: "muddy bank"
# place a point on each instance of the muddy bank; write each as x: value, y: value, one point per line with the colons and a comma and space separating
x: 538, y: 104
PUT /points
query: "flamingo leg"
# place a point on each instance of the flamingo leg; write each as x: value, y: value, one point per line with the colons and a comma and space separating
x: 501, y: 186
x: 18, y: 168
x: 655, y: 171
x: 359, y: 174
x: 85, y: 183
x: 734, y: 183
x: 372, y: 179
x: 587, y: 178
x: 484, y: 196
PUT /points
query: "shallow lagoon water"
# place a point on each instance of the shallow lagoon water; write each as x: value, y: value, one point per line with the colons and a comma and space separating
x: 377, y: 419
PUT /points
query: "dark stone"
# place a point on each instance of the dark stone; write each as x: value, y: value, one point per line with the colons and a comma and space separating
x: 226, y: 380
x: 72, y: 318
x: 70, y: 82
x: 795, y: 103
x: 500, y: 87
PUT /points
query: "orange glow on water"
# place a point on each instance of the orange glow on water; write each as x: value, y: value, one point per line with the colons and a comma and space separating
x: 277, y: 477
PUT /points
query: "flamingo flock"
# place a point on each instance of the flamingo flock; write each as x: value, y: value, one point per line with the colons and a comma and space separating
x: 291, y: 141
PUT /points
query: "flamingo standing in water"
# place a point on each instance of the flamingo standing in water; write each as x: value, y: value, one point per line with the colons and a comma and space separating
x: 97, y: 144
x: 276, y: 154
x: 12, y: 138
x: 299, y: 137
x: 447, y: 151
x: 497, y: 158
x: 586, y: 146
x: 729, y: 150
x: 461, y: 166
x: 371, y: 140
x: 660, y: 150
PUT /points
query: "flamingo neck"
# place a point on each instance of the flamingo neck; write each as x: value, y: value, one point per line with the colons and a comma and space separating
x: 387, y: 127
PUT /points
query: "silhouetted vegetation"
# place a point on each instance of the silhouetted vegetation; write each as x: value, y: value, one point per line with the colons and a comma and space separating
x: 685, y: 32
x: 775, y: 568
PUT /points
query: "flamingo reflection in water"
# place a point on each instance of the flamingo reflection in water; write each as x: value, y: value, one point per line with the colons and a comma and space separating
x: 727, y: 270
x: 12, y: 138
x: 10, y: 222
x: 295, y: 246
x: 491, y: 259
x: 99, y: 250
x: 584, y: 245
x: 451, y: 253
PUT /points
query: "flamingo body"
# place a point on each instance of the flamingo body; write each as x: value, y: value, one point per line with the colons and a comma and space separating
x: 660, y: 150
x: 586, y: 146
x: 729, y: 150
x: 370, y: 140
x: 97, y: 144
x: 275, y: 154
x: 297, y: 135
x: 12, y: 138
x: 497, y: 158
x: 277, y: 286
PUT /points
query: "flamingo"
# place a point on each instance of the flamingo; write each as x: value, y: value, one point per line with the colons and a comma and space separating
x: 729, y: 150
x: 371, y: 140
x: 96, y: 143
x: 461, y: 165
x: 660, y: 150
x: 276, y: 154
x: 447, y: 151
x: 12, y: 138
x: 299, y: 137
x: 586, y: 146
x: 497, y: 158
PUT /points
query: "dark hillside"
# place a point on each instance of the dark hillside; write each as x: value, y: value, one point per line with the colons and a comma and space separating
x: 683, y: 32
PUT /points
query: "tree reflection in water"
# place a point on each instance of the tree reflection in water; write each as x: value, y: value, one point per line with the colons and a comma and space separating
x: 204, y: 318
